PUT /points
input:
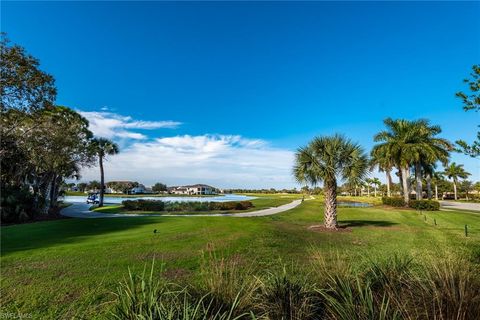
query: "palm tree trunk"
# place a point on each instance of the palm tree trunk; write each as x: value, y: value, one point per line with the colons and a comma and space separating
x: 102, y: 181
x: 330, y: 213
x: 405, y: 188
x: 389, y: 182
x: 375, y: 191
x: 368, y: 190
x: 455, y: 189
x: 418, y: 177
x: 429, y: 186
x: 436, y: 192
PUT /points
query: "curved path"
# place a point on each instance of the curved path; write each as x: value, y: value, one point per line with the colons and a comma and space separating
x: 452, y: 205
x: 81, y: 210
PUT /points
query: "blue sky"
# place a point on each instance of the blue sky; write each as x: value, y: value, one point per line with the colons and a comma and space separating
x: 224, y: 92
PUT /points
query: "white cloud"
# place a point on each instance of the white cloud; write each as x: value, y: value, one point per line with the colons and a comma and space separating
x: 111, y: 125
x: 221, y: 160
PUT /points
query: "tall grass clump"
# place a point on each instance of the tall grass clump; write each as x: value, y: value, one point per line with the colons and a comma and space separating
x: 228, y: 281
x: 385, y: 289
x: 141, y: 297
x: 286, y: 296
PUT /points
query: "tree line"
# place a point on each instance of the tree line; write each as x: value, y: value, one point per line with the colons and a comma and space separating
x: 42, y: 143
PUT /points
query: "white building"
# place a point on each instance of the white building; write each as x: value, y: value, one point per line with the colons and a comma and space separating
x: 196, y: 189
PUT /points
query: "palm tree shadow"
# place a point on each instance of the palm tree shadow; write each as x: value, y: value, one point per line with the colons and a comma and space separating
x: 365, y: 223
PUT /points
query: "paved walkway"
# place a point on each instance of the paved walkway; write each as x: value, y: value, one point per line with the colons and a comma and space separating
x: 80, y: 210
x: 452, y: 205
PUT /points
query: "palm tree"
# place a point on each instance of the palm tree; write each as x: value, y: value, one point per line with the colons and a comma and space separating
x: 411, y: 143
x: 368, y: 183
x: 436, y: 178
x: 101, y: 148
x: 433, y: 149
x: 322, y: 161
x: 384, y: 161
x: 455, y: 171
x: 376, y: 183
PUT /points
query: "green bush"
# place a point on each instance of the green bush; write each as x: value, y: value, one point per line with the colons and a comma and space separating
x: 17, y: 204
x: 427, y: 205
x: 157, y: 205
x: 393, y: 201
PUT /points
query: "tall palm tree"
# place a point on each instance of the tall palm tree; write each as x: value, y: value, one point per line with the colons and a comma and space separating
x: 433, y: 149
x: 376, y: 183
x: 436, y: 178
x: 428, y: 171
x: 455, y: 171
x: 324, y: 160
x: 101, y: 148
x: 411, y: 143
x: 368, y: 183
x: 385, y: 163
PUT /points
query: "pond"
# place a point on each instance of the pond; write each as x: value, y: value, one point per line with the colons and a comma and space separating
x: 352, y: 204
x: 118, y: 200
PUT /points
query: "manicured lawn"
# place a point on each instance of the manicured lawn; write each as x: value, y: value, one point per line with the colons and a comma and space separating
x: 63, y: 268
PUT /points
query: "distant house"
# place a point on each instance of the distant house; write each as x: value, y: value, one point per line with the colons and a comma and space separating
x: 196, y: 189
x: 140, y: 189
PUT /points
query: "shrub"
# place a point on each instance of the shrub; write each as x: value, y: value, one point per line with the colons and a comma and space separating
x: 144, y: 205
x: 17, y: 204
x: 157, y: 205
x: 393, y: 201
x: 427, y: 205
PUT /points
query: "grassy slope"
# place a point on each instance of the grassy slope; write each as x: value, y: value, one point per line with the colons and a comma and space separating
x: 50, y: 269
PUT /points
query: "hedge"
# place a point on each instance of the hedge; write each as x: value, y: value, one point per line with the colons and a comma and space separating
x: 393, y: 201
x: 426, y: 205
x: 157, y: 205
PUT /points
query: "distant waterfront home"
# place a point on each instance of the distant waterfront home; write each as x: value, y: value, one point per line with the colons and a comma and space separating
x: 196, y: 189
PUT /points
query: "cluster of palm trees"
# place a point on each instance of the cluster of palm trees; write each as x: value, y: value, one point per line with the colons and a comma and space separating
x: 410, y: 146
x: 413, y: 148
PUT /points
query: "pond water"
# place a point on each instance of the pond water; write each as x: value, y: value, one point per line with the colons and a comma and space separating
x: 117, y: 200
x: 354, y: 204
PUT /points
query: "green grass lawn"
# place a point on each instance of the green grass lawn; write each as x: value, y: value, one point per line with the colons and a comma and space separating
x: 59, y: 269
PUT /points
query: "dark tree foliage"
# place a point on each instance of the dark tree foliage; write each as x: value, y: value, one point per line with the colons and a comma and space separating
x: 159, y: 187
x: 41, y: 144
x: 471, y: 101
x: 23, y: 86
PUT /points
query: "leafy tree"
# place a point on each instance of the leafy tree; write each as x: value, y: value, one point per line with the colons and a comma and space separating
x: 23, y: 86
x: 94, y: 185
x: 82, y: 186
x: 102, y: 148
x: 322, y: 161
x: 471, y: 101
x: 466, y: 186
x: 159, y: 187
x: 455, y: 172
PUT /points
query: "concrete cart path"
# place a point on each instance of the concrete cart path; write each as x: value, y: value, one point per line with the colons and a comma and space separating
x: 452, y: 205
x: 81, y: 210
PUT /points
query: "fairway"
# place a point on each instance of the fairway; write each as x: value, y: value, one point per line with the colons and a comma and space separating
x: 66, y: 268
